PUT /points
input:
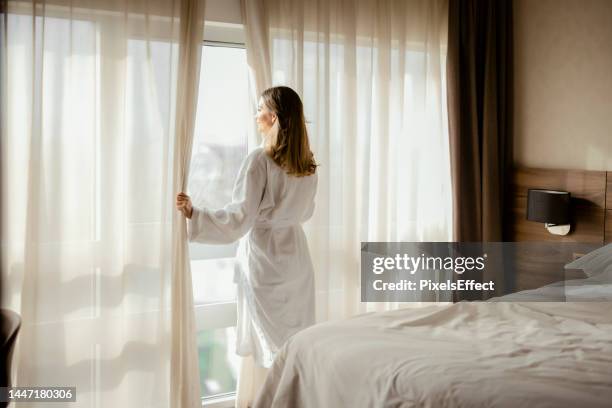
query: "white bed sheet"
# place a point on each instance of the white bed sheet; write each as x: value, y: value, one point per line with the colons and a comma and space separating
x: 476, y: 354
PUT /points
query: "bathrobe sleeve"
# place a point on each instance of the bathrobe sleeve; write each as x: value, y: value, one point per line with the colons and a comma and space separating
x: 230, y: 223
x: 311, y: 205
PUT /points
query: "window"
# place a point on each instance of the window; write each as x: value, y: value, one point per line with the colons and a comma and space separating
x: 220, y: 145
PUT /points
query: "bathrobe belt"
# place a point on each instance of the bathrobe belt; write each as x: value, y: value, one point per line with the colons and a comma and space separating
x: 276, y: 224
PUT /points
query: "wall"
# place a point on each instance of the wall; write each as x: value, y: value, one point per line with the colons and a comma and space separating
x: 563, y: 83
x: 227, y: 11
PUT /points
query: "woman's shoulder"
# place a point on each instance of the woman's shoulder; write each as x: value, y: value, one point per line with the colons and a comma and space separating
x: 259, y: 158
x: 255, y: 159
x: 254, y: 155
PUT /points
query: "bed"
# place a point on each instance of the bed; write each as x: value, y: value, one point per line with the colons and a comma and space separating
x: 519, y: 350
x: 468, y: 354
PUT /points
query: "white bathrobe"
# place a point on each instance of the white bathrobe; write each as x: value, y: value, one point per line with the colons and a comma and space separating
x: 274, y: 273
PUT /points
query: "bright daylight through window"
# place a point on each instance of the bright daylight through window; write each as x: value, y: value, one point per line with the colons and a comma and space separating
x: 219, y: 146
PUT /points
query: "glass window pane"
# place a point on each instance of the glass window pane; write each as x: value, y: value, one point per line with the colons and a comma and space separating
x: 212, y: 280
x: 219, y: 146
x: 219, y: 363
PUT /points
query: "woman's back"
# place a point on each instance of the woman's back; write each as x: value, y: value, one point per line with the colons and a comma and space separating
x: 287, y: 199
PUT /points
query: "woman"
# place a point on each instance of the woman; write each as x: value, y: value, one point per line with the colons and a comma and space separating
x: 273, y: 194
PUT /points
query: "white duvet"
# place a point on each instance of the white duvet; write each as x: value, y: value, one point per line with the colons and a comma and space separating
x: 461, y: 355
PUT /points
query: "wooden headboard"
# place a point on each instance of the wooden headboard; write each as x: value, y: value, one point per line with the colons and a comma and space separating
x: 591, y: 214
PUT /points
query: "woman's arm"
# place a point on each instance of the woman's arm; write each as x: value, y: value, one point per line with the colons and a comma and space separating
x: 311, y: 206
x: 231, y: 222
x: 309, y: 212
x: 183, y: 204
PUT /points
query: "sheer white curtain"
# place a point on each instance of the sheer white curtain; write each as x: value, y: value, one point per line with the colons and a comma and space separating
x: 97, y: 121
x: 372, y: 78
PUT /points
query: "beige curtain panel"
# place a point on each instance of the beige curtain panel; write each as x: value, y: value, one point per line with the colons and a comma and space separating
x: 371, y: 75
x: 97, y: 123
x: 372, y: 79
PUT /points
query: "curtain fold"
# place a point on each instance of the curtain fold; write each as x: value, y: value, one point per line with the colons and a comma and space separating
x: 480, y: 104
x: 97, y: 121
x: 185, y: 375
x: 257, y: 40
x: 371, y: 75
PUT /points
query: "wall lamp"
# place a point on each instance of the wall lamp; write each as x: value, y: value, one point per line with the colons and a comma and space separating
x: 550, y: 207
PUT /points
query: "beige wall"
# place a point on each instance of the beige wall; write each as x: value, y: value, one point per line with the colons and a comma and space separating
x: 227, y: 11
x: 563, y: 83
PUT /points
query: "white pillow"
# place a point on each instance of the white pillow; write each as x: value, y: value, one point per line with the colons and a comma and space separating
x: 594, y: 262
x: 605, y: 276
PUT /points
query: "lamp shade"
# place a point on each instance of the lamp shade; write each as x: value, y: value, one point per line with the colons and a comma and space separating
x: 548, y: 206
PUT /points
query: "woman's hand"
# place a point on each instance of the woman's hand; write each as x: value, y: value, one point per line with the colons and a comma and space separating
x: 183, y: 204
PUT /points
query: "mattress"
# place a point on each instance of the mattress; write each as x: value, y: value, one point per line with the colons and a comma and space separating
x: 468, y: 354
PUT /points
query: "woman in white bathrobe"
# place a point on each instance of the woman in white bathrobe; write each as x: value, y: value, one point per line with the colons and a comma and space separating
x: 273, y: 195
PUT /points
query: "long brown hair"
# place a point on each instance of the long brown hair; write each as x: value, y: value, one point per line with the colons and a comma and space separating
x: 291, y: 149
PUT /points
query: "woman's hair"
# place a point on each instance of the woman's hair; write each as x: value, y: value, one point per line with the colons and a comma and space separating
x: 291, y: 149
